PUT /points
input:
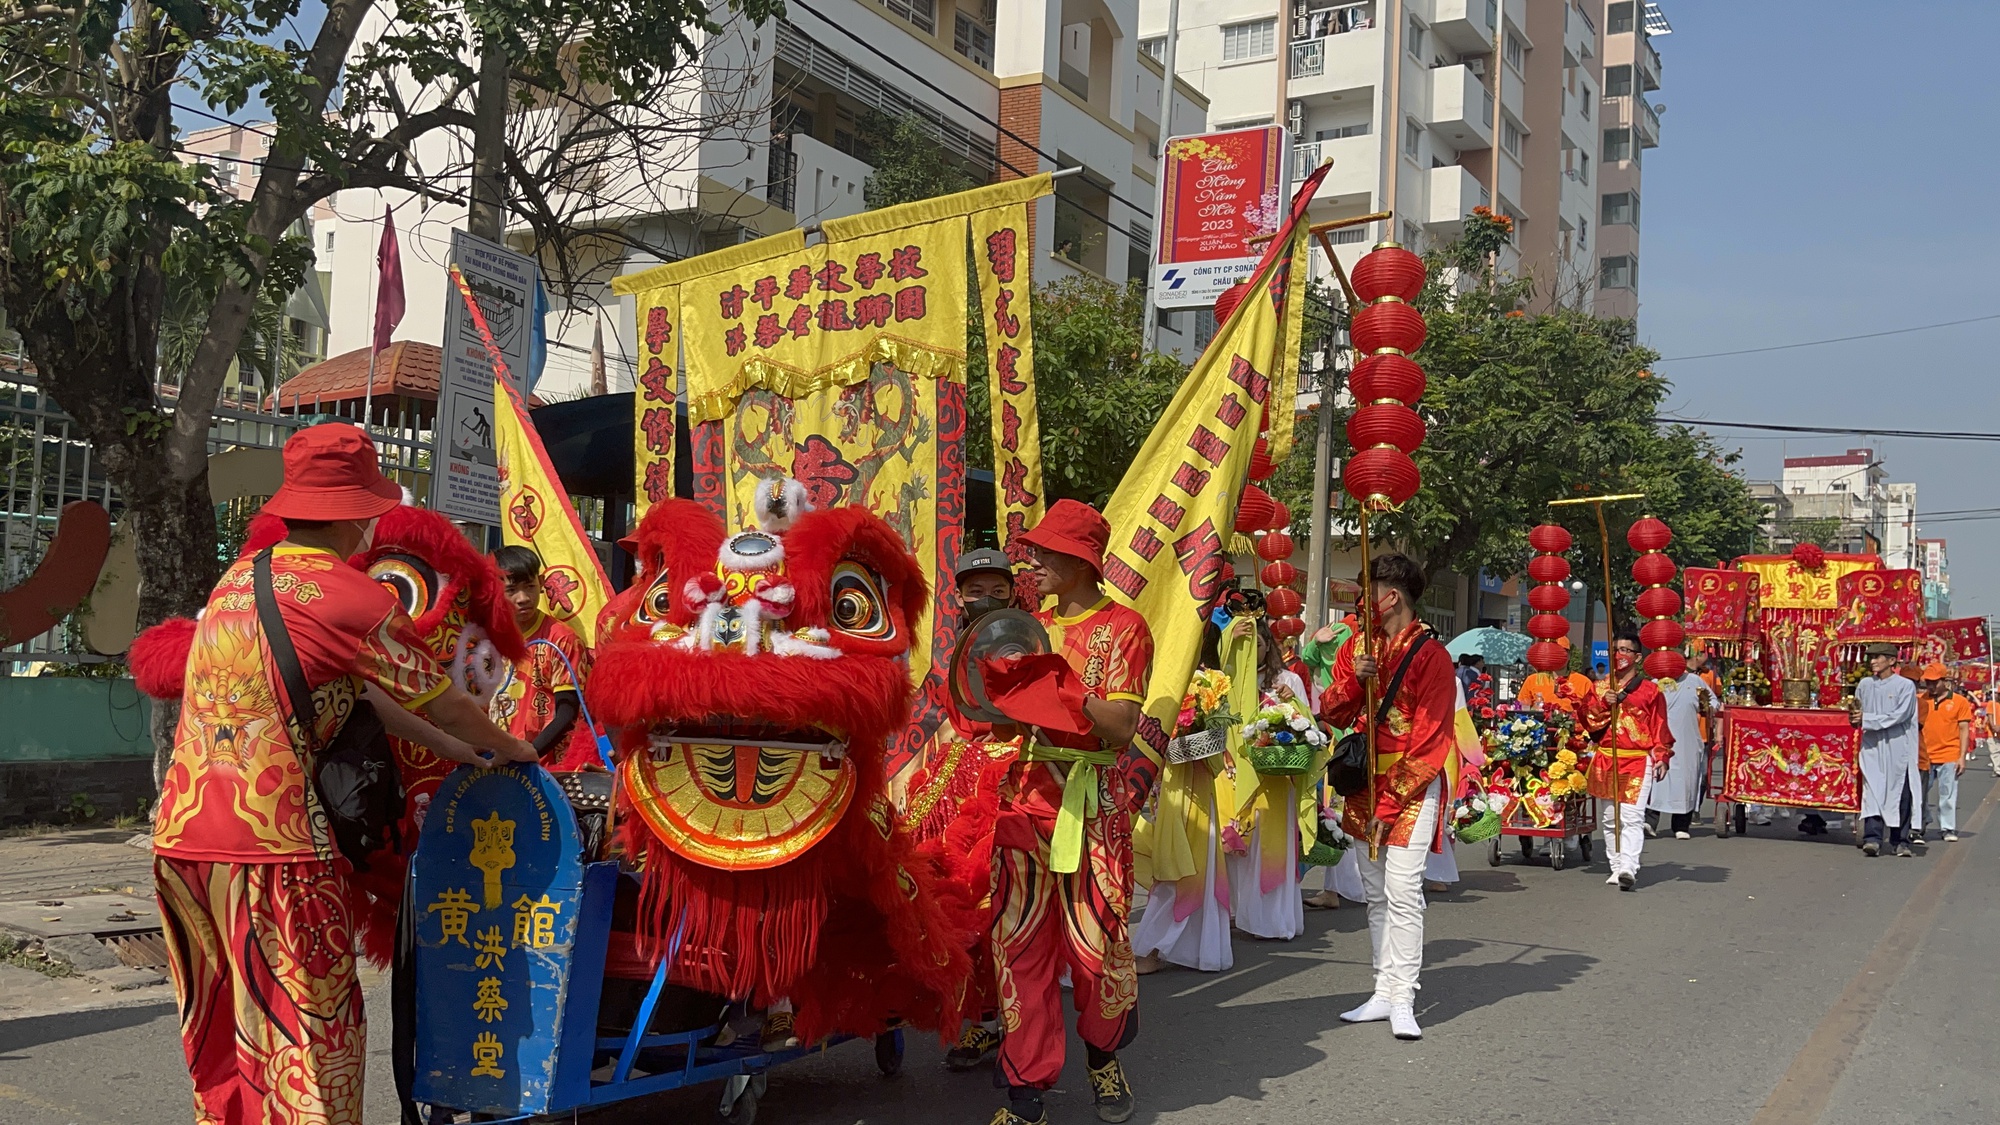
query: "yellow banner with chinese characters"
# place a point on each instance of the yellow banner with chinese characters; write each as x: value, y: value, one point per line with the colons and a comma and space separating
x: 1782, y: 584
x: 536, y: 513
x: 1001, y: 250
x: 1172, y: 514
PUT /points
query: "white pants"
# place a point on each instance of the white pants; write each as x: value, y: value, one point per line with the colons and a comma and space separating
x: 1623, y: 840
x: 1395, y: 885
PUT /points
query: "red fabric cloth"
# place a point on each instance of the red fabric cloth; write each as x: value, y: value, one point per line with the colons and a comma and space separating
x: 1041, y: 690
x: 1642, y: 738
x: 1415, y: 740
x: 235, y: 789
x: 1885, y: 606
x: 1805, y: 759
x: 262, y: 957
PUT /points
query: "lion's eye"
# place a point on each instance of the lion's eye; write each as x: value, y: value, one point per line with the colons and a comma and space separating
x: 858, y: 605
x: 658, y: 602
x: 412, y: 581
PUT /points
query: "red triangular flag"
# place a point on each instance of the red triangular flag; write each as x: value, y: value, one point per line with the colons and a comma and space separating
x: 389, y: 285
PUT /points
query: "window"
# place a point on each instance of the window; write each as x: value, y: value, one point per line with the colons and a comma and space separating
x: 329, y: 240
x: 1204, y: 327
x: 1618, y: 18
x: 1510, y: 138
x: 1583, y: 234
x: 1154, y: 48
x: 1138, y: 255
x: 1618, y: 144
x: 920, y: 14
x: 1339, y: 131
x: 1583, y: 167
x: 1619, y: 272
x: 1617, y: 81
x: 1257, y: 39
x: 1516, y: 56
x: 1413, y: 136
x: 1413, y: 37
x: 1164, y: 318
x: 974, y: 40
x: 1621, y: 207
x: 1411, y: 232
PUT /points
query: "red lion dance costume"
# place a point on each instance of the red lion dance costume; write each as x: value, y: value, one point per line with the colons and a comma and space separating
x: 457, y: 600
x: 755, y: 681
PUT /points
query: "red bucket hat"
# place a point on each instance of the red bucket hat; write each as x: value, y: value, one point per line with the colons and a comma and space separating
x: 332, y: 473
x: 1072, y: 527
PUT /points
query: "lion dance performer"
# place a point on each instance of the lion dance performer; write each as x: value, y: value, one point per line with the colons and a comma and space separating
x: 755, y: 680
x: 1643, y: 742
x: 1062, y: 865
x: 255, y: 897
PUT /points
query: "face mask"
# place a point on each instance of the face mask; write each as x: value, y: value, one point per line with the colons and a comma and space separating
x: 1623, y: 661
x: 980, y: 607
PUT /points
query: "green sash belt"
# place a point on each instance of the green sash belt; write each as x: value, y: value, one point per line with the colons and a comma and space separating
x: 1079, y: 801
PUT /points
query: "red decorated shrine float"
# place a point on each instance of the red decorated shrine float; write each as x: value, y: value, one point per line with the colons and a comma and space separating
x: 1791, y: 629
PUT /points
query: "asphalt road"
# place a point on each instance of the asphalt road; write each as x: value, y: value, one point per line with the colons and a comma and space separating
x: 1769, y: 980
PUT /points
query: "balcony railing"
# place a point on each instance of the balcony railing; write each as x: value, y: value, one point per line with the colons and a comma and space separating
x: 781, y: 179
x: 1309, y: 59
x: 1305, y: 158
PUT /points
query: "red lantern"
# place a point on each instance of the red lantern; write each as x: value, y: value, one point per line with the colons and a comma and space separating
x: 1548, y: 568
x: 1281, y: 516
x: 1666, y: 664
x: 1373, y: 475
x: 1228, y: 299
x: 1275, y: 547
x: 1547, y: 656
x: 1649, y: 534
x: 1550, y: 538
x: 1253, y: 512
x: 1283, y: 602
x: 1549, y: 598
x: 1390, y: 324
x: 1279, y: 573
x: 1261, y: 467
x: 1662, y: 632
x: 1660, y: 601
x: 1547, y: 626
x: 1227, y: 574
x: 1653, y: 570
x: 1386, y: 376
x: 1386, y: 423
x: 1285, y: 628
x: 1388, y: 271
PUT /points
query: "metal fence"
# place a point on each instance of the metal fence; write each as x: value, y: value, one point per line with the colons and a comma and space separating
x: 47, y: 464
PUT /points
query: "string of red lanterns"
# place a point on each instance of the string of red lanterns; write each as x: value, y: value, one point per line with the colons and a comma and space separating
x: 1548, y: 599
x: 1658, y: 602
x: 1387, y: 382
x: 1270, y: 520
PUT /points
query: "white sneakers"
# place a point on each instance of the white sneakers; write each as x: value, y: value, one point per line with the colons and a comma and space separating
x: 1374, y: 1011
x: 1403, y: 1022
x: 1402, y: 1017
x: 1682, y: 836
x: 1611, y: 880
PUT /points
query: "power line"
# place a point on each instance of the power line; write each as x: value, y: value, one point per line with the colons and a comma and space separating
x: 1932, y: 435
x: 1834, y: 340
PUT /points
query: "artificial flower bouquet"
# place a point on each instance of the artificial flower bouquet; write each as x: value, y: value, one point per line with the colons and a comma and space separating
x: 1205, y: 718
x: 1536, y: 757
x: 1281, y: 738
x: 1477, y: 818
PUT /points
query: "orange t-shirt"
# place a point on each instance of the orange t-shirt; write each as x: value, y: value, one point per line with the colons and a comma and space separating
x: 1539, y: 690
x: 235, y: 791
x: 1939, y: 725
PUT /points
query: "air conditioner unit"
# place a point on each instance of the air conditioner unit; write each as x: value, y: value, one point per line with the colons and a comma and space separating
x: 1476, y: 66
x: 1295, y: 117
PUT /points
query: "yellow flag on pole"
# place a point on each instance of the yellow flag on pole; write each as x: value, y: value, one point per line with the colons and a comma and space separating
x: 1173, y: 513
x: 536, y: 513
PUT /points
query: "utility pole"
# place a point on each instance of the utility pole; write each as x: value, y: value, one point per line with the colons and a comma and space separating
x: 1150, y: 330
x: 486, y: 217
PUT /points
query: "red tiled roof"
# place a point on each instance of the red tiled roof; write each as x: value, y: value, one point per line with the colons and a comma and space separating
x: 406, y: 367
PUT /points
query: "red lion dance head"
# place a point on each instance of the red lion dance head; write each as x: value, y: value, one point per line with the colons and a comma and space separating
x: 755, y: 680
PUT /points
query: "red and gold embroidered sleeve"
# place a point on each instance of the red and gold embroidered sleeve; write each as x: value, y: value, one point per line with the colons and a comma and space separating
x: 392, y: 658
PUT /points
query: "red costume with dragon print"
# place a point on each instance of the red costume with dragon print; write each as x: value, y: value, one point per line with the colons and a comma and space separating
x: 756, y: 681
x: 456, y: 598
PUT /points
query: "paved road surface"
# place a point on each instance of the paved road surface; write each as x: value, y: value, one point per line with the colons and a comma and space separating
x: 1770, y: 980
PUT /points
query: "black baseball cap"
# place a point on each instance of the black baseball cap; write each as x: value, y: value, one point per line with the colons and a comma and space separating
x: 985, y: 558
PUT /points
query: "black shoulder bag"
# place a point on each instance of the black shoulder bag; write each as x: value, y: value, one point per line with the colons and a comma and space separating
x: 353, y: 777
x: 1348, y: 771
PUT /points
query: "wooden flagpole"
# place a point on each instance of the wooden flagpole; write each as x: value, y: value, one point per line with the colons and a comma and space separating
x: 1611, y: 838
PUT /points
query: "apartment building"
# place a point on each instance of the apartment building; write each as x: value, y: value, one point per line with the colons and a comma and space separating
x: 1844, y: 502
x: 1937, y: 578
x: 1631, y: 125
x: 787, y: 115
x: 1433, y: 107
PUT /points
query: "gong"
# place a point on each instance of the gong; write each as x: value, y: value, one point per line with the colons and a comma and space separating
x: 1003, y: 632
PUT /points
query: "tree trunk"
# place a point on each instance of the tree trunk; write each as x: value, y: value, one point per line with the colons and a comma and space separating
x: 486, y: 218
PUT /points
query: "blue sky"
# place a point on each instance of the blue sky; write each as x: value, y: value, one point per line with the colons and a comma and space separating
x: 1823, y: 171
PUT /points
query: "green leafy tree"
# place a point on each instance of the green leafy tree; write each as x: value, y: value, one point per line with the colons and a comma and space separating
x: 909, y: 164
x: 102, y: 220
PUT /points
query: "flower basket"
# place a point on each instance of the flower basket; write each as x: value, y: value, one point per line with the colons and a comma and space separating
x: 1477, y: 818
x: 1329, y: 844
x: 1281, y: 759
x: 1481, y: 828
x: 1194, y: 747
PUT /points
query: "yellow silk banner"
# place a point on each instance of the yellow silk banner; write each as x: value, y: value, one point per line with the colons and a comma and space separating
x: 1001, y: 249
x: 1172, y: 515
x: 1783, y: 585
x: 536, y: 513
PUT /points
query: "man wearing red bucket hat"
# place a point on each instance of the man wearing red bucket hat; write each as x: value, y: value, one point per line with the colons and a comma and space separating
x: 253, y: 894
x: 1062, y: 864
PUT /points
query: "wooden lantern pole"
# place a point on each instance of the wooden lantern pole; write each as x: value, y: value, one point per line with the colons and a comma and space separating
x: 1367, y: 608
x: 1597, y: 503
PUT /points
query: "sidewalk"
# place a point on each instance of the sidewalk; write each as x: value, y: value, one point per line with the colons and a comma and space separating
x: 81, y: 861
x: 62, y: 895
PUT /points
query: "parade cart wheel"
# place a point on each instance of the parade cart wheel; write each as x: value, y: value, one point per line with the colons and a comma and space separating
x: 1583, y: 846
x: 889, y: 1053
x: 739, y: 1098
x: 1558, y: 849
x: 1723, y: 819
x: 1742, y: 818
x: 1527, y: 847
x: 1493, y: 852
